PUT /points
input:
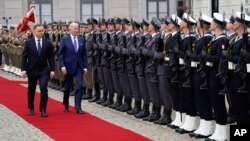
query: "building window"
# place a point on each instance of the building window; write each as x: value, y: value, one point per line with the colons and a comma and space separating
x: 91, y: 9
x: 181, y: 7
x: 157, y: 8
x: 43, y: 10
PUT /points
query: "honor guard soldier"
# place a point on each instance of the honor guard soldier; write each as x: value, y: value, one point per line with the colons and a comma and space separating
x: 113, y: 63
x: 187, y: 103
x: 131, y: 67
x: 124, y: 78
x: 140, y: 70
x: 163, y: 72
x: 174, y: 42
x: 91, y: 76
x: 153, y: 45
x: 198, y: 64
x: 219, y: 44
x: 238, y: 58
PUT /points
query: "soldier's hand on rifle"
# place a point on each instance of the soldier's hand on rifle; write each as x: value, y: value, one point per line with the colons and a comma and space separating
x: 243, y: 52
x: 203, y: 53
x: 176, y: 50
x: 224, y: 54
x: 188, y: 53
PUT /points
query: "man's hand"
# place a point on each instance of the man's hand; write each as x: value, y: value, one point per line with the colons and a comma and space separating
x: 64, y: 71
x: 52, y: 74
x: 23, y: 74
x: 85, y: 71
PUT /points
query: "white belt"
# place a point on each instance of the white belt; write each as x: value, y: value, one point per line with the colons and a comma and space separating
x: 209, y: 64
x: 248, y: 68
x: 194, y: 64
x: 166, y: 58
x: 181, y: 61
x: 231, y: 66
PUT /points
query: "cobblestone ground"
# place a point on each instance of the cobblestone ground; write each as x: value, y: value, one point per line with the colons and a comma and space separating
x: 13, y: 128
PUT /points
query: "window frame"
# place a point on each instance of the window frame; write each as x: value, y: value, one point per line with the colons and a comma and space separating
x: 40, y: 2
x: 91, y: 2
x: 157, y: 7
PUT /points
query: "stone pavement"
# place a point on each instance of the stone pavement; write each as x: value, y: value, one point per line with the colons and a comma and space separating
x: 13, y: 128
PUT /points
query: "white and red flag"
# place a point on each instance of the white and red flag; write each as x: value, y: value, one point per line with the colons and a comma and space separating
x: 28, y: 21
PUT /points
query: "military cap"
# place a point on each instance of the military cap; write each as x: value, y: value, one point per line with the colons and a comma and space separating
x: 175, y: 20
x: 125, y: 21
x: 92, y: 21
x: 118, y: 21
x: 145, y: 22
x: 4, y: 27
x: 188, y: 19
x: 167, y: 20
x: 111, y: 21
x: 242, y: 18
x: 219, y: 19
x: 156, y: 22
x: 205, y: 19
x: 136, y: 24
x: 102, y: 21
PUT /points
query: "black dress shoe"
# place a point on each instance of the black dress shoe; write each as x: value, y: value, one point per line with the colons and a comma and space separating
x: 43, y: 114
x: 192, y: 134
x: 107, y: 103
x: 31, y: 112
x: 79, y: 111
x: 87, y: 96
x: 182, y: 131
x: 208, y: 139
x: 94, y: 99
x: 152, y: 117
x: 199, y: 136
x: 100, y: 101
x: 142, y: 114
x: 66, y: 108
x: 134, y: 111
x: 164, y: 120
x: 114, y: 105
x: 125, y: 108
x: 172, y: 126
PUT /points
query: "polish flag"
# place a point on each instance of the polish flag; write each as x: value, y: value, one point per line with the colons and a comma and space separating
x: 28, y: 21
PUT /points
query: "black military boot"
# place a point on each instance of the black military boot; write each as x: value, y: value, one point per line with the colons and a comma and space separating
x: 155, y: 115
x: 136, y: 109
x: 165, y: 119
x: 118, y: 102
x: 175, y: 79
x: 109, y: 101
x: 97, y: 94
x: 88, y: 94
x: 187, y: 84
x: 103, y: 99
x: 127, y: 105
x: 144, y: 112
x: 50, y: 84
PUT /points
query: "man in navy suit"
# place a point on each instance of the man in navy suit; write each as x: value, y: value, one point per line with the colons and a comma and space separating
x: 38, y: 64
x: 73, y: 63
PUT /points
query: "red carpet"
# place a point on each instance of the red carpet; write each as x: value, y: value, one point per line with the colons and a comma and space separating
x: 59, y: 125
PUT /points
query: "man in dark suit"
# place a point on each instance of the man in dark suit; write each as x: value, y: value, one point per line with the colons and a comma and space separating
x: 38, y: 64
x: 73, y: 63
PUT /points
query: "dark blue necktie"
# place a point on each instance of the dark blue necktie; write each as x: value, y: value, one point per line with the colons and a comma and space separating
x: 39, y: 47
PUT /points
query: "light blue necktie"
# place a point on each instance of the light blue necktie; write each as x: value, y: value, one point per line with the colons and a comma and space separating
x: 75, y: 44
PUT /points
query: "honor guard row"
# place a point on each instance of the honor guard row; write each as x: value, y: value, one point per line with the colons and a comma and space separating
x: 178, y: 64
